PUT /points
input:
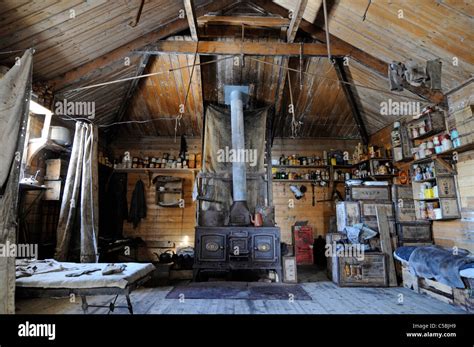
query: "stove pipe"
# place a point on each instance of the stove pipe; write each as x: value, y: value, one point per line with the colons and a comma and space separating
x: 239, y: 212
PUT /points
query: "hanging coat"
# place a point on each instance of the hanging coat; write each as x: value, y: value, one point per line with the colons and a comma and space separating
x: 138, y: 204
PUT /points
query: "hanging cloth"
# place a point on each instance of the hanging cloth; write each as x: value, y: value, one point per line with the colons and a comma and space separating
x: 15, y: 89
x: 79, y: 207
x: 138, y: 204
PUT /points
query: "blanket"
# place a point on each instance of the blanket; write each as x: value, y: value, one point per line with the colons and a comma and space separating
x: 440, y: 263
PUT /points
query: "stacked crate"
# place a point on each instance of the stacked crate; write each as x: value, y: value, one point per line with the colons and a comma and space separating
x: 410, y: 231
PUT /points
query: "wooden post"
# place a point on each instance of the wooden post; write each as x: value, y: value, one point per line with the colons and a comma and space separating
x: 386, y: 243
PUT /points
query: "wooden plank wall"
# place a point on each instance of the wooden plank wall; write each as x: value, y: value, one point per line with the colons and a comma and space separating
x: 319, y: 215
x: 458, y: 232
x: 161, y: 224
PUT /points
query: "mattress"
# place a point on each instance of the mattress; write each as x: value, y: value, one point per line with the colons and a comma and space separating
x: 58, y: 279
x: 403, y: 253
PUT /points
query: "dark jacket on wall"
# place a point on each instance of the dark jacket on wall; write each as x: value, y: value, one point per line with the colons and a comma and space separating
x: 138, y: 204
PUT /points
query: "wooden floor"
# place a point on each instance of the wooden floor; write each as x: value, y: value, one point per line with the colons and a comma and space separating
x: 327, y: 298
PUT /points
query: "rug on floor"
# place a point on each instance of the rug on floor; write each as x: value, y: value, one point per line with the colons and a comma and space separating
x: 239, y: 290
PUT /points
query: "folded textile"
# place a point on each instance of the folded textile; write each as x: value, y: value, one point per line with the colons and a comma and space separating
x: 83, y: 272
x: 113, y: 269
x: 29, y: 267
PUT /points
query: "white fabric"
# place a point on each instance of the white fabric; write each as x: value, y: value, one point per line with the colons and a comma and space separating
x: 57, y: 280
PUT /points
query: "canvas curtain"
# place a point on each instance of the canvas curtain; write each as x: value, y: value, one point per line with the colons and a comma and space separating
x: 15, y: 89
x: 79, y: 206
x: 218, y: 136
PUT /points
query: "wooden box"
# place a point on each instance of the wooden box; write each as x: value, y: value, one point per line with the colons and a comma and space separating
x: 54, y: 190
x: 55, y: 169
x: 446, y: 187
x: 368, y: 208
x: 368, y: 272
x: 449, y: 208
x: 347, y: 214
x: 372, y: 223
x: 463, y: 298
x: 414, y: 233
x: 303, y: 243
x: 289, y: 270
x: 369, y: 193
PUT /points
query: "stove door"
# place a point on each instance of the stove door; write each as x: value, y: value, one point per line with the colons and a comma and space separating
x: 212, y: 247
x: 264, y: 248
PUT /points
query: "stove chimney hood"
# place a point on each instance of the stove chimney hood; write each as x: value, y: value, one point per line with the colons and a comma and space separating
x: 236, y: 97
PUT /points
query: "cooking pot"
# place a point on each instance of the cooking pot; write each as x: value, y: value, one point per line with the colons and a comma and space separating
x: 60, y: 135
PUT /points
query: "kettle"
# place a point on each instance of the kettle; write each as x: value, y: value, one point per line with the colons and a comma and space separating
x: 257, y: 220
x: 167, y: 256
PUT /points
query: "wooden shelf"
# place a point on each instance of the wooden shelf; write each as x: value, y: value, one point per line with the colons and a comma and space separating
x: 145, y: 170
x: 427, y: 134
x: 460, y: 149
x: 301, y: 166
x: 292, y: 181
x: 26, y: 186
x: 348, y: 166
x: 424, y: 180
x: 367, y: 160
x: 430, y: 199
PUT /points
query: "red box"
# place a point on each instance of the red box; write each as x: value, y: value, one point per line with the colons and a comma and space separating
x: 303, y: 242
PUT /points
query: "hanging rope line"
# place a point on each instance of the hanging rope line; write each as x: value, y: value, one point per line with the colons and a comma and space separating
x: 336, y: 80
x: 326, y: 25
x: 142, y: 76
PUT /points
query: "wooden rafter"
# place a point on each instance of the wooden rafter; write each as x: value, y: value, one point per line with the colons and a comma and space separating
x: 246, y: 47
x: 298, y: 12
x: 255, y: 21
x: 375, y: 64
x: 166, y: 30
x: 341, y: 75
x: 191, y: 16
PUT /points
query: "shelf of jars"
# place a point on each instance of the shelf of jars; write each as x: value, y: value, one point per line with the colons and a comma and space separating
x: 434, y: 191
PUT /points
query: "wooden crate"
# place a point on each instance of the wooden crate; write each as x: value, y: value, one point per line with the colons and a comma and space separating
x: 402, y: 197
x: 351, y: 272
x: 332, y: 238
x: 347, y: 214
x: 367, y: 208
x: 414, y: 233
x: 369, y: 193
x: 463, y: 298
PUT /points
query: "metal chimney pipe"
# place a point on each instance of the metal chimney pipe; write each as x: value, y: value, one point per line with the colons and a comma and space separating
x: 239, y: 173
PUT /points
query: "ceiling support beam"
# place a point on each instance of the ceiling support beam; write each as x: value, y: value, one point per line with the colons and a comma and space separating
x: 168, y: 29
x: 251, y: 21
x: 246, y: 47
x: 375, y: 64
x: 296, y: 18
x: 191, y: 16
x: 341, y: 75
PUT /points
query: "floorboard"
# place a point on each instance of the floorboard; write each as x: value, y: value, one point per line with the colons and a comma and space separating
x: 327, y: 298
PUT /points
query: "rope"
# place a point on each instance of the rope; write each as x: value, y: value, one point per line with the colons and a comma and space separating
x: 334, y: 80
x: 326, y: 24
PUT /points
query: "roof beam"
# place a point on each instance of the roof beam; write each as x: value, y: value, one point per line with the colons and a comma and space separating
x: 341, y: 75
x: 296, y: 18
x: 163, y: 31
x: 256, y: 21
x: 191, y: 16
x: 245, y: 47
x: 377, y: 65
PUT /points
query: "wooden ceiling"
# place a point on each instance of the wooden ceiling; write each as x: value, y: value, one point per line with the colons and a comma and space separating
x: 80, y: 43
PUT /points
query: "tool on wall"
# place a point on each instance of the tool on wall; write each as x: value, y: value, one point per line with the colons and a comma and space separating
x: 313, y: 199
